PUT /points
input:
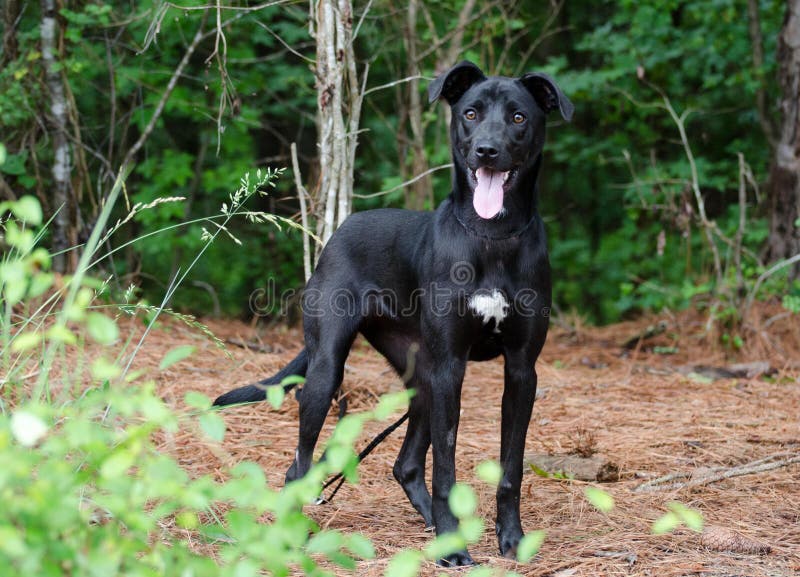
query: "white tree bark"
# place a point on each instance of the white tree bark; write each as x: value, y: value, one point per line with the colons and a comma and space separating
x: 59, y: 119
x: 338, y: 112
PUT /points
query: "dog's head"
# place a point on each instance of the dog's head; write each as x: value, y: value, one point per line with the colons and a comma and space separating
x: 497, y: 128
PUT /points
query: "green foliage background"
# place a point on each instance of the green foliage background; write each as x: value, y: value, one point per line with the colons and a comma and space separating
x: 89, y: 493
x: 602, y: 209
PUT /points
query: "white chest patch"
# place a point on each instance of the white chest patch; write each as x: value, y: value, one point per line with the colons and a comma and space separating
x: 490, y: 305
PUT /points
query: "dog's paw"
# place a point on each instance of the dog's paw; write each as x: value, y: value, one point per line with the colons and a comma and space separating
x: 291, y: 474
x: 508, y: 542
x: 509, y: 553
x: 458, y: 559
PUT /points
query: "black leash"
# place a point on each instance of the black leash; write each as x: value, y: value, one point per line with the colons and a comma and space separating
x: 366, y: 451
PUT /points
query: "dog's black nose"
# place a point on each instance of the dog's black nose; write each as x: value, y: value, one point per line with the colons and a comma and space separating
x: 486, y: 151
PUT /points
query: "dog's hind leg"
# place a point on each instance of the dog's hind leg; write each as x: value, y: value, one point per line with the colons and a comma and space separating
x: 326, y: 357
x: 402, y: 352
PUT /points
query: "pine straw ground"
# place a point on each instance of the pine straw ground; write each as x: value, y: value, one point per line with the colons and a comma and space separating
x: 641, y: 414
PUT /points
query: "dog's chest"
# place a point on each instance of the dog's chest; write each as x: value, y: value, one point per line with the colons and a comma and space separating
x: 489, y: 304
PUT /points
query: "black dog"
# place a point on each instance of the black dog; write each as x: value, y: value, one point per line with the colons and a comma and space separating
x: 470, y: 281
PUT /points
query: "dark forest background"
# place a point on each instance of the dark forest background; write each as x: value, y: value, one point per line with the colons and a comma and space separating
x: 667, y: 189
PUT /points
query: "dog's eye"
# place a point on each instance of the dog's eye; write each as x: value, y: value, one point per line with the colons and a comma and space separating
x: 470, y: 114
x: 519, y: 118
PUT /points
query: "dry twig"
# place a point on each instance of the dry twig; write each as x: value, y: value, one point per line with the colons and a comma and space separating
x: 302, y: 194
x: 718, y: 474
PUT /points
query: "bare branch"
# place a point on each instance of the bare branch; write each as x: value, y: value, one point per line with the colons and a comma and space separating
x: 638, y: 103
x: 544, y: 34
x: 764, y: 276
x: 457, y: 33
x: 220, y: 35
x: 406, y: 183
x: 361, y: 20
x: 737, y: 249
x: 464, y: 20
x: 698, y: 196
x: 284, y: 43
x: 227, y: 90
x: 302, y: 193
x: 155, y: 26
x: 708, y: 226
x: 173, y: 81
x: 241, y: 9
x: 396, y: 82
x: 718, y: 474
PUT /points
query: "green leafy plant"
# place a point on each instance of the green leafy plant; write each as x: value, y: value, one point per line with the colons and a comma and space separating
x: 678, y: 514
x: 103, y: 496
x: 463, y: 503
x: 599, y: 499
x: 530, y: 545
x: 89, y: 493
x: 558, y: 475
x: 791, y: 302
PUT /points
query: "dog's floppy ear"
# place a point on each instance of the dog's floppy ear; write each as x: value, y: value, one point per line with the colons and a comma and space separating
x: 455, y: 82
x: 547, y: 94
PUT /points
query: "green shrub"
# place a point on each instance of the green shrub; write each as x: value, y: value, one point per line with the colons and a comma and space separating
x: 86, y: 490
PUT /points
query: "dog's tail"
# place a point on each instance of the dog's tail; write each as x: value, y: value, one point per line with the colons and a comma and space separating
x: 258, y: 391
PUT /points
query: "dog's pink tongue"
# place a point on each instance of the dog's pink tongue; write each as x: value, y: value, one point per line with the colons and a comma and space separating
x: 488, y: 196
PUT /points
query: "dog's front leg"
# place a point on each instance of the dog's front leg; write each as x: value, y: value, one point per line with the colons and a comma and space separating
x: 446, y: 378
x: 518, y: 397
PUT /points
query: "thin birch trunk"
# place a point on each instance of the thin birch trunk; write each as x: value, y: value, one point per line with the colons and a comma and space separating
x: 63, y: 202
x: 302, y: 193
x: 338, y: 112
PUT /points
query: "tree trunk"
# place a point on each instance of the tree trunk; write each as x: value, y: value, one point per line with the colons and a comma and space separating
x: 10, y: 16
x: 757, y: 42
x: 64, y: 233
x: 338, y: 112
x: 784, y: 237
x: 419, y: 192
